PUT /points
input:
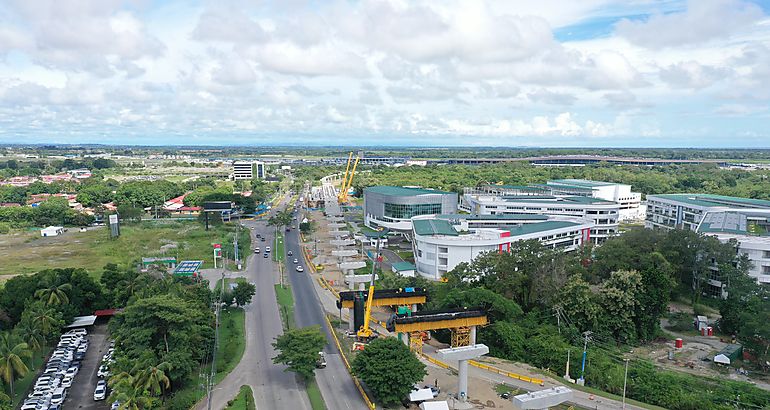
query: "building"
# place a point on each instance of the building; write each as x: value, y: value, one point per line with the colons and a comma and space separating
x: 631, y: 207
x: 393, y: 207
x: 403, y: 269
x: 243, y: 170
x: 603, y: 213
x: 745, y: 220
x: 259, y: 166
x: 51, y: 231
x: 440, y: 243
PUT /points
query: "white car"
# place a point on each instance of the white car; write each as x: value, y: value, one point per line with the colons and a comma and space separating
x: 300, y: 269
x: 58, y: 396
x: 115, y: 405
x: 256, y: 250
x: 103, y: 371
x: 101, y: 390
x: 296, y: 261
x: 267, y: 249
x: 66, y: 382
x: 71, y: 372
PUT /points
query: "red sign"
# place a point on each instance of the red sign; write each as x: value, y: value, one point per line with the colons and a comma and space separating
x: 217, y: 246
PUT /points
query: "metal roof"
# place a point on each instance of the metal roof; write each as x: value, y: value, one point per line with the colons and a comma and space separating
x: 403, y: 191
x: 583, y: 183
x: 541, y: 227
x: 433, y: 227
x: 710, y: 200
x: 188, y: 268
x: 518, y: 216
x: 403, y: 266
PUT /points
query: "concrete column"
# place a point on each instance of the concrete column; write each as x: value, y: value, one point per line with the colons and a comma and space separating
x: 404, y: 337
x: 473, y: 335
x: 462, y: 380
x: 351, y: 285
x: 362, y: 286
x: 414, y: 307
x: 350, y: 320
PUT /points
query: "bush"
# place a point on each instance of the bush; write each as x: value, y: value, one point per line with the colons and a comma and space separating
x: 4, y: 228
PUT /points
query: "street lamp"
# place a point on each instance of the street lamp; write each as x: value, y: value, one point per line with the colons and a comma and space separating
x: 625, y: 379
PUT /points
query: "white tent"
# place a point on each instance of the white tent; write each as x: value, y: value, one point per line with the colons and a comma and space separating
x: 721, y: 359
x: 434, y: 405
x: 420, y: 395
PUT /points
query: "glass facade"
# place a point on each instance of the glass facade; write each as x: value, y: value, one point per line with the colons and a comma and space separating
x: 400, y: 211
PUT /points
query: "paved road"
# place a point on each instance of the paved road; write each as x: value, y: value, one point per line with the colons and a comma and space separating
x: 336, y: 386
x: 81, y: 394
x: 273, y: 387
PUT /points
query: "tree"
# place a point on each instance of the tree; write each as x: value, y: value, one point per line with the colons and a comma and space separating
x: 619, y: 302
x: 46, y: 319
x: 299, y: 350
x: 153, y: 379
x: 31, y: 335
x: 54, y: 295
x: 243, y: 292
x: 281, y: 219
x: 389, y: 369
x: 12, y: 354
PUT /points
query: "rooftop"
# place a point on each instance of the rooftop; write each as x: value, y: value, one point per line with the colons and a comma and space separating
x: 402, y: 191
x: 504, y: 217
x: 551, y: 199
x: 433, y: 227
x: 584, y: 183
x: 403, y: 266
x: 736, y: 222
x: 710, y: 200
x: 541, y: 227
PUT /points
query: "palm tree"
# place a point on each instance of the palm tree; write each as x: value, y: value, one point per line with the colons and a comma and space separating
x: 32, y: 336
x: 44, y: 320
x: 54, y: 294
x: 134, y: 283
x: 153, y: 379
x: 12, y: 352
x: 125, y: 389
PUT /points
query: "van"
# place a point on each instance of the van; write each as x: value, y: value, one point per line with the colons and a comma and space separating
x: 321, y: 363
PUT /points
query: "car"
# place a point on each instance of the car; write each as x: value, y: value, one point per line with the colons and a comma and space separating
x: 267, y: 249
x: 54, y: 407
x: 296, y: 261
x: 265, y: 255
x: 262, y: 239
x: 66, y: 382
x: 300, y: 269
x: 321, y: 363
x: 103, y: 371
x: 58, y: 396
x: 290, y: 253
x: 101, y: 390
x: 33, y: 405
x: 71, y: 372
x: 115, y: 405
x: 256, y: 250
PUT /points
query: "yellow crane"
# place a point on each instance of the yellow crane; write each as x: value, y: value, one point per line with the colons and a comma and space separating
x: 343, y: 197
x: 345, y: 177
x: 365, y: 333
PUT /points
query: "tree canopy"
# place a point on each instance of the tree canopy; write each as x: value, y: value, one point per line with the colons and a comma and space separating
x: 389, y: 369
x: 298, y: 350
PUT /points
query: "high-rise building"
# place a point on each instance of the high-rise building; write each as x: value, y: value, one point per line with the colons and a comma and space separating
x: 243, y: 170
x: 260, y: 170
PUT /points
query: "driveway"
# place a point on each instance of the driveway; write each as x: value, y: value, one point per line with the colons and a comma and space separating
x: 81, y: 394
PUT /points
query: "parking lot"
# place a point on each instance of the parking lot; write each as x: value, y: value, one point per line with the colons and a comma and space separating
x: 81, y: 395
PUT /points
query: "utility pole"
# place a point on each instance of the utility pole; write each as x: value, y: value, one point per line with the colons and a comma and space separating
x: 625, y: 379
x: 235, y: 246
x: 216, y: 340
x: 582, y: 379
x: 566, y: 371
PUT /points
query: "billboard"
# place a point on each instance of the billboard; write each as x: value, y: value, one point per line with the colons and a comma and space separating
x: 114, y: 226
x: 217, y: 206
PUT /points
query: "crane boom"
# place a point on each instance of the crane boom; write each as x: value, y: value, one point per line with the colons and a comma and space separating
x: 345, y: 178
x: 350, y: 181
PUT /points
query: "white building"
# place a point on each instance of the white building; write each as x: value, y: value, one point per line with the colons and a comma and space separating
x: 631, y: 207
x: 243, y: 170
x: 393, y: 207
x: 442, y: 242
x: 52, y: 231
x: 603, y: 213
x: 259, y: 166
x: 745, y: 220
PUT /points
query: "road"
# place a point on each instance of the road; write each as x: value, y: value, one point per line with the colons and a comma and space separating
x: 273, y: 387
x: 337, y: 388
x: 81, y: 394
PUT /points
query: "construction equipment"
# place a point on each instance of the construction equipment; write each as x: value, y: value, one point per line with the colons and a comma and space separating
x: 345, y: 177
x: 347, y: 182
x: 365, y: 333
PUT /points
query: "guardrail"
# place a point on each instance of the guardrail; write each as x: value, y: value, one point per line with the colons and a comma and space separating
x: 369, y: 403
x: 506, y: 373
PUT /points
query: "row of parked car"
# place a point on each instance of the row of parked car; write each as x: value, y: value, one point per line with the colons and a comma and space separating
x: 51, y: 388
x: 100, y: 393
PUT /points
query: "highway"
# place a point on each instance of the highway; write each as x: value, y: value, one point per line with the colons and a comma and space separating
x: 337, y: 388
x: 273, y: 387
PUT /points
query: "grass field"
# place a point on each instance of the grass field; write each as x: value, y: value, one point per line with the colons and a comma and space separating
x: 278, y: 248
x: 28, y: 252
x: 232, y: 341
x: 314, y: 394
x: 243, y: 401
x: 285, y: 305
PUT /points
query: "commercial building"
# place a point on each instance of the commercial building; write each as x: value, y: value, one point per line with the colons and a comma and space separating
x: 745, y: 220
x: 531, y: 200
x: 441, y: 242
x: 393, y: 207
x: 259, y: 166
x: 243, y: 170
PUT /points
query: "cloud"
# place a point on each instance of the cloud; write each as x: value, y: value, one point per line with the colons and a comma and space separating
x: 552, y: 98
x: 700, y: 22
x: 692, y: 74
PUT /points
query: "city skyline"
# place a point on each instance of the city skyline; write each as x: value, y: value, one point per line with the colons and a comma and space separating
x: 572, y: 74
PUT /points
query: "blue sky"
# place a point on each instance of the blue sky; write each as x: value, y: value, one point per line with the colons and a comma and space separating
x: 636, y: 73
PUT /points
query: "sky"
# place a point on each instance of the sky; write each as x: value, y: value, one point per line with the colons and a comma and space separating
x: 588, y: 73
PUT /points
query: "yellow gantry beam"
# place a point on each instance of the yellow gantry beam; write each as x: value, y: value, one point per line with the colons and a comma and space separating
x: 441, y: 324
x: 394, y: 301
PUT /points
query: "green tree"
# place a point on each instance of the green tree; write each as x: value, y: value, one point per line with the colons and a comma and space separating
x: 30, y: 334
x: 46, y: 319
x: 54, y: 295
x: 153, y: 379
x: 243, y: 292
x: 298, y: 350
x: 389, y: 369
x: 12, y: 354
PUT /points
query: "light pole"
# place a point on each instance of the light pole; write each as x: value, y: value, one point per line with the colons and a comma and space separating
x: 625, y: 379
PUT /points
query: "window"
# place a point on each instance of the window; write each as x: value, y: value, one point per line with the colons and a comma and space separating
x: 402, y: 211
x: 766, y: 254
x: 766, y: 270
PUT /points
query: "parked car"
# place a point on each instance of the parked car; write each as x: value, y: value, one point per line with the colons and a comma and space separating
x: 58, y: 396
x: 103, y: 371
x: 101, y: 390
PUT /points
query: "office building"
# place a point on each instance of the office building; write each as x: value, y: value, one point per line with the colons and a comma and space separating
x: 261, y: 172
x: 531, y: 200
x: 243, y: 170
x: 745, y: 220
x: 631, y: 207
x: 393, y: 207
x: 442, y: 242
